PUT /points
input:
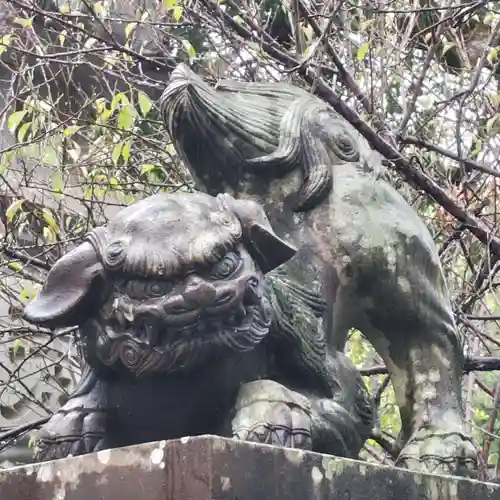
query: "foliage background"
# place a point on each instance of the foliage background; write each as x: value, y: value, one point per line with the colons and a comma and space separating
x: 80, y: 136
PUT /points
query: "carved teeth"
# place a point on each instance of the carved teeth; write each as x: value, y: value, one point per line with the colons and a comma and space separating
x: 241, y: 311
x: 128, y: 312
x: 120, y: 317
x: 252, y: 297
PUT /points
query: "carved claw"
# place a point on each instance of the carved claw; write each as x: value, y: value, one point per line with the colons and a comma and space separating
x: 439, y: 452
x: 74, y: 432
x: 267, y: 412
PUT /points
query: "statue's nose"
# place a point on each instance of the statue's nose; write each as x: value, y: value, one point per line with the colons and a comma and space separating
x: 199, y: 293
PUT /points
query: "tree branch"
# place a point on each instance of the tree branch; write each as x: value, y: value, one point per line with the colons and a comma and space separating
x: 472, y: 364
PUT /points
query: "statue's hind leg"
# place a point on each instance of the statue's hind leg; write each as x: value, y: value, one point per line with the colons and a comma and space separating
x: 407, y: 315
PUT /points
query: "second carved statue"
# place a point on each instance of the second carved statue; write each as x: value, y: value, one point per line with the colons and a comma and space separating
x: 361, y: 248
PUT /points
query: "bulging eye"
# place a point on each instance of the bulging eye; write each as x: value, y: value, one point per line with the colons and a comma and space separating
x: 145, y: 289
x: 226, y: 267
x: 158, y: 288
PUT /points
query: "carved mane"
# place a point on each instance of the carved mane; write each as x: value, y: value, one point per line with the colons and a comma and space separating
x: 237, y: 128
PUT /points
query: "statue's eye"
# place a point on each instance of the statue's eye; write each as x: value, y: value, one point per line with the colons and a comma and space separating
x: 144, y: 289
x: 158, y: 288
x: 226, y: 267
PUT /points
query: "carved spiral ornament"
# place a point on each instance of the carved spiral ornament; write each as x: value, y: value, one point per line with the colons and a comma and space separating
x: 131, y: 354
x: 345, y: 146
x: 115, y: 255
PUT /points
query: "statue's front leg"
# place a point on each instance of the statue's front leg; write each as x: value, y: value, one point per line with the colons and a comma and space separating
x: 268, y: 412
x: 79, y: 427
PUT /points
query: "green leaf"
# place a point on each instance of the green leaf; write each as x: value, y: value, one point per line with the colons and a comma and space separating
x: 50, y: 156
x: 126, y: 151
x: 146, y: 168
x: 191, y: 52
x: 363, y: 50
x: 15, y: 119
x: 126, y: 117
x: 177, y: 12
x: 117, y: 151
x: 169, y: 4
x: 13, y: 209
x: 144, y: 103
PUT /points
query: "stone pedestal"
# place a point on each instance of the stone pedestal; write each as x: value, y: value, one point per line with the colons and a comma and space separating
x: 213, y: 468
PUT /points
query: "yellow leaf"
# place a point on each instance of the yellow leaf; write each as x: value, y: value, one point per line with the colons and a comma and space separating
x: 493, y: 54
x: 144, y: 103
x: 177, y: 12
x: 49, y: 235
x: 126, y: 152
x: 126, y: 117
x: 23, y: 130
x: 13, y: 209
x: 71, y: 130
x: 363, y: 50
x: 169, y: 4
x: 57, y: 182
x: 117, y: 98
x: 477, y: 147
x: 99, y: 8
x: 146, y: 168
x: 5, y: 42
x: 191, y: 52
x: 308, y: 32
x: 15, y: 266
x: 491, y: 122
x: 50, y: 156
x: 16, y: 346
x: 115, y: 155
x: 128, y: 29
x: 25, y: 23
x: 49, y: 219
x: 15, y: 119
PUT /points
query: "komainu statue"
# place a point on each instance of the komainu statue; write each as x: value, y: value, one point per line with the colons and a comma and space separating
x: 188, y: 327
x: 361, y: 248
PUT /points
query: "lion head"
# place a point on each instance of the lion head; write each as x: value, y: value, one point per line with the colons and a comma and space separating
x: 169, y: 281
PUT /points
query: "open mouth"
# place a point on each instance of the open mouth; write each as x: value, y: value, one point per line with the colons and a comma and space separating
x: 152, y: 346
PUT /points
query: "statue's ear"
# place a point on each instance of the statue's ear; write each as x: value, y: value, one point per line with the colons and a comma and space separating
x: 268, y: 250
x: 265, y: 246
x: 66, y: 296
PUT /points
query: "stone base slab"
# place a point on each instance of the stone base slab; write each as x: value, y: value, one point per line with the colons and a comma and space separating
x: 213, y: 468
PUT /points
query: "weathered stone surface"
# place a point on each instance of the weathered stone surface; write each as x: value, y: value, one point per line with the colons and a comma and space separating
x: 214, y: 468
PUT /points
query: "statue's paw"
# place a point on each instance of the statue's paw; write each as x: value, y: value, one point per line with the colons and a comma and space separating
x: 268, y: 412
x: 439, y: 452
x: 71, y: 433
